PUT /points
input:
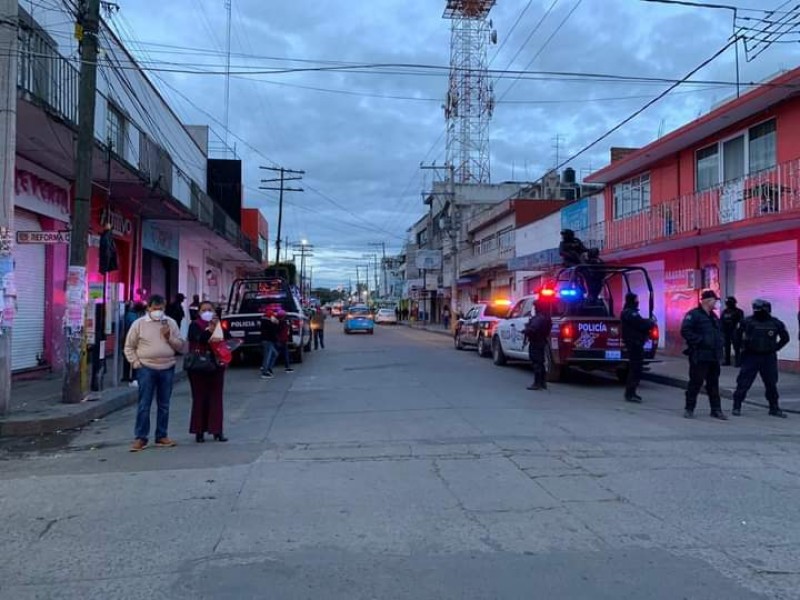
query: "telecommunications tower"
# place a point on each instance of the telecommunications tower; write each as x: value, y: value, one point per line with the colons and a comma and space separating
x: 469, y: 103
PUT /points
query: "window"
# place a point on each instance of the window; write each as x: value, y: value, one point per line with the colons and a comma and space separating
x: 749, y: 152
x: 116, y: 130
x: 517, y: 311
x: 707, y: 167
x: 762, y: 147
x: 488, y: 244
x: 632, y: 196
x: 505, y: 239
x: 422, y: 237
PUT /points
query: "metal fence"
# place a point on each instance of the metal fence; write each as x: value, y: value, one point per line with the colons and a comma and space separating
x: 753, y: 198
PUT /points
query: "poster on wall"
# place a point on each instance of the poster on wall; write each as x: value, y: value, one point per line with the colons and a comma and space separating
x: 76, y: 298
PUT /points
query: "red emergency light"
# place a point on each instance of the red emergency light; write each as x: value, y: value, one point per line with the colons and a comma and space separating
x: 547, y: 292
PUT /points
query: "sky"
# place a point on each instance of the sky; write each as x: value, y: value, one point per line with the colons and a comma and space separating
x: 360, y: 137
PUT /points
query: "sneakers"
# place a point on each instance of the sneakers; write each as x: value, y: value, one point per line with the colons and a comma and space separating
x: 267, y: 375
x: 138, y: 445
x: 133, y: 383
x: 534, y: 386
x: 289, y: 370
x: 778, y: 413
x: 718, y: 414
x: 165, y: 442
x: 736, y: 412
x: 635, y: 398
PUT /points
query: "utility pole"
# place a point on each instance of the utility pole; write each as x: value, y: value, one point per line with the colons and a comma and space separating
x: 382, y: 246
x: 374, y: 258
x: 282, y: 179
x: 305, y: 249
x: 9, y: 13
x: 75, y: 374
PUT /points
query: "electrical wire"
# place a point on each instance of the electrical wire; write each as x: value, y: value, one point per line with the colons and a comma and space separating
x: 507, y: 37
x: 530, y: 35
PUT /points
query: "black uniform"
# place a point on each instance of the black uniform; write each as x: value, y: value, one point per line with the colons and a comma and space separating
x: 703, y: 334
x: 571, y: 249
x: 635, y: 333
x: 731, y: 318
x: 762, y: 336
x: 537, y: 332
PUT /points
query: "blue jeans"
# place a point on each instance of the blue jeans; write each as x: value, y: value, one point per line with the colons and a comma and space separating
x: 158, y: 383
x: 270, y: 356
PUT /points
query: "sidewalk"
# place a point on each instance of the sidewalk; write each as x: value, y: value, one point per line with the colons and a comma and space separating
x: 432, y: 327
x: 674, y: 371
x: 36, y: 407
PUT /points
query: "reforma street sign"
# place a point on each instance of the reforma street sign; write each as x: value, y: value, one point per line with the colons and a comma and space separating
x: 43, y: 237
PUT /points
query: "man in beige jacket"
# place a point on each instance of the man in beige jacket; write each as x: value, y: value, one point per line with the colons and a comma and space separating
x: 150, y: 348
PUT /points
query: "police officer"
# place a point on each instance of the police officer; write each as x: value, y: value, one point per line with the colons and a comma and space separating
x: 703, y: 334
x: 635, y: 333
x: 537, y: 332
x: 571, y: 248
x: 762, y: 336
x: 731, y: 318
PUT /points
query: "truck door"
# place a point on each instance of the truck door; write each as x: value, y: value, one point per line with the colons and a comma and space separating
x: 518, y: 318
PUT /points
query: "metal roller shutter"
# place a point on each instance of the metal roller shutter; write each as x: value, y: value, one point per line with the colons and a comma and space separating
x: 773, y: 278
x: 27, y: 340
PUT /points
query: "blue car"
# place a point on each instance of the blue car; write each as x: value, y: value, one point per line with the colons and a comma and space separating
x: 359, y: 319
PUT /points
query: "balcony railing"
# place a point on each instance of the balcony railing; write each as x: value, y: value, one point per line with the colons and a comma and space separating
x: 49, y: 79
x: 497, y: 257
x: 210, y: 214
x: 753, y: 198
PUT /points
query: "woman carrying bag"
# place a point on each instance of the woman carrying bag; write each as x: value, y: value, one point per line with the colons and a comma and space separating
x: 206, y: 374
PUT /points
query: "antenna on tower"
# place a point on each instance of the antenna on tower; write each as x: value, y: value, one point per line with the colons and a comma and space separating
x: 469, y: 102
x: 227, y: 75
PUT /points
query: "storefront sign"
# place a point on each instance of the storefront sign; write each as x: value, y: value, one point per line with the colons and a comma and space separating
x: 538, y: 261
x: 576, y: 216
x: 43, y: 237
x: 161, y: 239
x: 428, y: 259
x: 121, y: 225
x: 41, y: 197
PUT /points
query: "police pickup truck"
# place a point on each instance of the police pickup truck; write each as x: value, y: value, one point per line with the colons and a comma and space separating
x: 584, y: 302
x: 251, y: 300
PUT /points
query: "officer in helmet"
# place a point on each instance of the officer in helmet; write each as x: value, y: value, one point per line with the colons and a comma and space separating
x: 761, y: 338
x: 571, y: 248
x: 731, y: 319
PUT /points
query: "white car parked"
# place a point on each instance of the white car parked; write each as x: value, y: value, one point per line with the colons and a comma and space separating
x: 387, y: 316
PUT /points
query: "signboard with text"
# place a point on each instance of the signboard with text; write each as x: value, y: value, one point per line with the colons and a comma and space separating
x: 43, y: 237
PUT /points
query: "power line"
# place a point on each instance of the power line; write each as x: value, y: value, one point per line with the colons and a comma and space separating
x: 507, y: 37
x: 531, y: 34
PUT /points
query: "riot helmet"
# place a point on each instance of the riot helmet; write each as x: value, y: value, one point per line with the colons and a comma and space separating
x: 762, y: 306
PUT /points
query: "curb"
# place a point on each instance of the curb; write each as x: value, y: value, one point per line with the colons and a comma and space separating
x: 114, y: 399
x: 726, y: 393
x: 429, y: 330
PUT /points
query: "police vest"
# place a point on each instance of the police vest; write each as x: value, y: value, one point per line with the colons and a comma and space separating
x: 762, y: 337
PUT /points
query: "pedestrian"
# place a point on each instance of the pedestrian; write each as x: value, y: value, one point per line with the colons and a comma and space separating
x: 731, y: 318
x: 537, y: 333
x: 207, y: 386
x: 134, y: 311
x: 397, y: 313
x: 318, y: 329
x: 194, y: 308
x: 284, y: 336
x: 269, y: 344
x: 762, y: 336
x: 703, y: 334
x: 150, y: 347
x: 635, y: 333
x: 175, y: 309
x: 446, y: 316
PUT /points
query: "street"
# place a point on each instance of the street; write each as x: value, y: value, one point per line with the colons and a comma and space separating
x: 393, y: 466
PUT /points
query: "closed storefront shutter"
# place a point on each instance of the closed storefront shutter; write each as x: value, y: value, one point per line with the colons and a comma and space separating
x: 27, y: 341
x: 774, y: 278
x: 656, y: 272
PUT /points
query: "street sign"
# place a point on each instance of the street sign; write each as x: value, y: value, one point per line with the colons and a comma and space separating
x: 43, y: 237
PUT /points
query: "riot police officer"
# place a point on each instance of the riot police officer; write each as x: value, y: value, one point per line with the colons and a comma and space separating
x: 571, y: 248
x: 703, y: 334
x: 731, y: 318
x: 762, y: 337
x: 537, y: 332
x: 635, y: 333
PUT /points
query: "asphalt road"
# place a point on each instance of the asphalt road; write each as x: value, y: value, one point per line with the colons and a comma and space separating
x: 392, y: 466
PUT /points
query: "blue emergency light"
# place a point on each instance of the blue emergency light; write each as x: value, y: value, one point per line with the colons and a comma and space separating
x: 570, y: 294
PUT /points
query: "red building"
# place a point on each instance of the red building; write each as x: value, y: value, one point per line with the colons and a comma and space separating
x: 256, y: 229
x: 715, y: 204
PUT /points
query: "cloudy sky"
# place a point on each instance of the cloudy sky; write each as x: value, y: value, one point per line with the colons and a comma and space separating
x: 360, y: 137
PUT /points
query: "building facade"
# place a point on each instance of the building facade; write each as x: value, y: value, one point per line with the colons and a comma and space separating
x: 715, y: 204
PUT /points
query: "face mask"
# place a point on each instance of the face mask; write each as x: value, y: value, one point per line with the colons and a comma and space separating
x: 156, y: 315
x: 207, y: 315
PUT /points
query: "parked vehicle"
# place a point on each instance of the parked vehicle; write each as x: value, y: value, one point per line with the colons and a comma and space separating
x: 584, y: 302
x: 250, y: 300
x: 386, y: 315
x: 477, y: 327
x: 359, y: 318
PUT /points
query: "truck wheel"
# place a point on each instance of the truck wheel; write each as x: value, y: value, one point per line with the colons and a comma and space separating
x: 554, y: 372
x: 457, y: 342
x: 498, y: 356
